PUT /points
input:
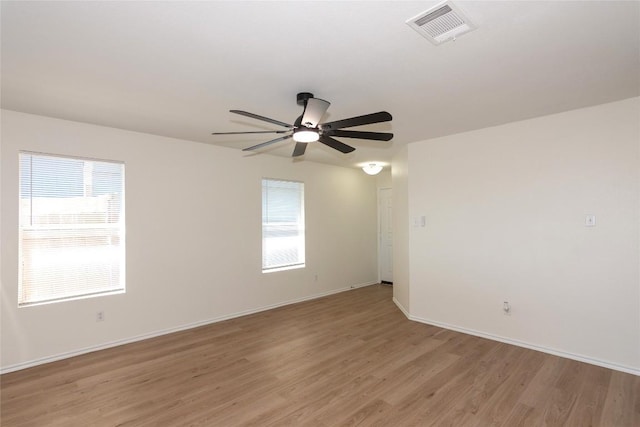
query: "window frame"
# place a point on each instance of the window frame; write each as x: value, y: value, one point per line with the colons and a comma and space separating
x: 119, y: 226
x: 300, y: 226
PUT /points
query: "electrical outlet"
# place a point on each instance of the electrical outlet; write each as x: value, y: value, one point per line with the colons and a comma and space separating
x: 590, y: 220
x: 100, y: 316
x: 506, y: 308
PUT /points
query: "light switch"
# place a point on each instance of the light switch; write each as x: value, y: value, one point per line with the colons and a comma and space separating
x: 590, y: 221
x: 423, y: 221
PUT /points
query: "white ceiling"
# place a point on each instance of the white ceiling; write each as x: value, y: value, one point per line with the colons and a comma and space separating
x: 176, y: 68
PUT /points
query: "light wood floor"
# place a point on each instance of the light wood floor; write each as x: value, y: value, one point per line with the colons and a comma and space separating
x: 347, y: 359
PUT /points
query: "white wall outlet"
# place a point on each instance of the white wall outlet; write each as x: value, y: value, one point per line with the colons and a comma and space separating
x: 100, y: 316
x: 590, y: 220
x: 506, y: 308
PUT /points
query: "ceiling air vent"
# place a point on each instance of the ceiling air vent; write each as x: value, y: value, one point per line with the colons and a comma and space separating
x: 441, y: 23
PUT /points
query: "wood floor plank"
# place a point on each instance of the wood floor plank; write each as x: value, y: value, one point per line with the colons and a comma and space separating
x: 587, y: 412
x: 499, y: 403
x: 622, y: 404
x: 342, y: 360
x: 564, y: 393
x: 522, y: 416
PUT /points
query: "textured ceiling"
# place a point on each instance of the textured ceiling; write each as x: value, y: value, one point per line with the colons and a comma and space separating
x: 176, y: 68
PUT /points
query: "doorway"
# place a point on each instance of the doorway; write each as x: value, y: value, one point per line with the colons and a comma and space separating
x: 385, y: 238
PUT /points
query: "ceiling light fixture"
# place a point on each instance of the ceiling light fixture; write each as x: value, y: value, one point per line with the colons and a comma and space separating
x: 305, y: 135
x: 372, y: 169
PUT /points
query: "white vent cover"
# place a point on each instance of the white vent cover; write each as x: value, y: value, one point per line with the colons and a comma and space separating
x: 441, y: 23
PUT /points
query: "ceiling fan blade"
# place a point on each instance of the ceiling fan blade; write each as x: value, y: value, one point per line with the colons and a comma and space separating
x: 378, y: 136
x: 255, y: 131
x: 300, y: 148
x: 264, y: 144
x: 335, y: 144
x: 265, y: 119
x: 313, y: 111
x: 381, y: 116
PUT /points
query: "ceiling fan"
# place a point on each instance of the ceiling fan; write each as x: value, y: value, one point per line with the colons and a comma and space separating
x: 307, y: 128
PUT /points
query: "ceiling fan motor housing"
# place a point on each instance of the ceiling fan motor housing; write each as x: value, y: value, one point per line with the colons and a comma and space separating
x: 302, y: 98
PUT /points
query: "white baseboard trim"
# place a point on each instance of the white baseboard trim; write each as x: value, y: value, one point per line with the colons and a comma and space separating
x: 91, y: 349
x: 402, y: 309
x: 560, y: 353
x: 361, y: 285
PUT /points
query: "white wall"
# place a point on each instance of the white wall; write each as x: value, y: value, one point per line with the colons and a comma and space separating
x: 505, y: 209
x: 193, y: 218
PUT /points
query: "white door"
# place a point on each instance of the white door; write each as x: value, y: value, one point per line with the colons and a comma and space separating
x: 386, y: 235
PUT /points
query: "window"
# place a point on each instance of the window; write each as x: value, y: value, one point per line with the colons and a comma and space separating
x: 71, y: 228
x: 282, y: 224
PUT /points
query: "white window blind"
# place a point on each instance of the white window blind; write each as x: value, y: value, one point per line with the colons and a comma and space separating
x: 71, y: 228
x: 282, y: 224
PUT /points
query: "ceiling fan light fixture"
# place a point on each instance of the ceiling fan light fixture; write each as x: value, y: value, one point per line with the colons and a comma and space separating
x: 372, y: 169
x: 305, y: 135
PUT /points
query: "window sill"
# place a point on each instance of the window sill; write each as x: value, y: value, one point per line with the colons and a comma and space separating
x: 285, y: 268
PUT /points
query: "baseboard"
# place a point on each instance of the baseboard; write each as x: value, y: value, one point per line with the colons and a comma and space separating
x: 402, y: 309
x: 361, y: 285
x: 79, y: 352
x: 555, y: 352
